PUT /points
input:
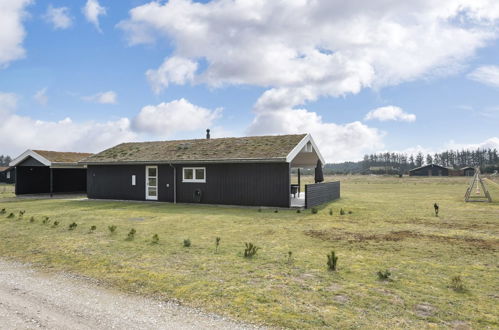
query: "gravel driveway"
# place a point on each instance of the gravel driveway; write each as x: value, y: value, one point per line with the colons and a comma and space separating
x: 32, y: 300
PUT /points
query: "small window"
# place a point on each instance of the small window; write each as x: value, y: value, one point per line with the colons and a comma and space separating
x: 8, y: 175
x: 133, y: 180
x: 194, y: 174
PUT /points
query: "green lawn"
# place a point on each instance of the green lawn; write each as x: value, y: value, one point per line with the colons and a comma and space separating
x: 392, y: 226
x: 6, y: 190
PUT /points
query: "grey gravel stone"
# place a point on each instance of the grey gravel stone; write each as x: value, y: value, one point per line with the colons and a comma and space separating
x: 33, y: 300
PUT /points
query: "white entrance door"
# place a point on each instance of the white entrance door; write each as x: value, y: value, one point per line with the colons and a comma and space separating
x: 152, y: 182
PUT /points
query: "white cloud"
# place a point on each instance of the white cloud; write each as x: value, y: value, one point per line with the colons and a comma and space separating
x: 304, y: 50
x: 92, y: 11
x: 167, y: 119
x: 336, y: 142
x: 58, y: 17
x: 488, y: 75
x: 492, y: 143
x: 390, y: 113
x: 12, y: 32
x: 108, y: 97
x: 173, y: 70
x: 327, y: 47
x: 41, y: 96
x: 18, y: 133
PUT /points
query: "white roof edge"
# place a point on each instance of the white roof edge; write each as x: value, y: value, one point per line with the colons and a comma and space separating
x: 307, y: 138
x: 30, y: 153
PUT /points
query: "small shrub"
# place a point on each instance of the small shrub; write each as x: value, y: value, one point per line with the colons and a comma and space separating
x: 32, y: 219
x: 72, y: 226
x: 384, y: 275
x: 250, y: 250
x: 330, y: 211
x: 332, y: 259
x: 298, y: 211
x: 155, y: 239
x: 112, y: 229
x: 436, y: 207
x: 92, y: 229
x: 259, y: 209
x: 217, y: 243
x: 2, y: 211
x: 21, y: 214
x: 55, y: 224
x: 315, y: 210
x: 342, y: 212
x: 131, y: 234
x: 457, y: 284
x: 276, y: 211
x: 290, y: 256
x: 45, y: 220
x: 350, y: 212
x: 187, y: 242
x: 11, y: 215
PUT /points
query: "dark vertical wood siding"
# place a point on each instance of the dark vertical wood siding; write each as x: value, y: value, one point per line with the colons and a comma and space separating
x: 430, y: 170
x: 255, y: 184
x: 36, y: 180
x: 3, y: 176
x: 32, y: 180
x: 69, y: 180
x: 115, y: 182
x: 320, y: 193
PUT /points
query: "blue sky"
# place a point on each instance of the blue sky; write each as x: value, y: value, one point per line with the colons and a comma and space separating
x: 112, y: 71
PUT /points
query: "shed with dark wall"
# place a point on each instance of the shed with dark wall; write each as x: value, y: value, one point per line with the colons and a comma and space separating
x: 8, y: 174
x: 468, y: 171
x: 430, y: 170
x: 41, y: 171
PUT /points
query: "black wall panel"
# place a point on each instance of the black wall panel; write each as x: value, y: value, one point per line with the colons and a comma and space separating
x: 320, y: 193
x: 257, y: 184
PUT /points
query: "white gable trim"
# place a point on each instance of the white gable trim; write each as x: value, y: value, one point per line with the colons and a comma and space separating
x: 296, y: 150
x: 30, y: 153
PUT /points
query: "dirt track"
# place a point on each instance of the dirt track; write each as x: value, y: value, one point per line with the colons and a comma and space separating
x: 33, y: 300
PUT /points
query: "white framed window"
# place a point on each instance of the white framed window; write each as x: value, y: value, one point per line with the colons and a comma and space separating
x: 194, y: 174
x: 8, y: 175
x: 134, y: 182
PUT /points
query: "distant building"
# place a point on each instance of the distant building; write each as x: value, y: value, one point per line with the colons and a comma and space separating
x: 468, y: 171
x: 430, y: 170
x: 7, y: 174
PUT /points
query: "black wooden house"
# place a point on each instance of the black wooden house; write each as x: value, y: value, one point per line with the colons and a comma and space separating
x: 41, y: 171
x: 253, y: 171
x: 430, y: 170
x: 7, y: 174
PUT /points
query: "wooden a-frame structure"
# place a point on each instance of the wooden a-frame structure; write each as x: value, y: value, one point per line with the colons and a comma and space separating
x: 475, y: 185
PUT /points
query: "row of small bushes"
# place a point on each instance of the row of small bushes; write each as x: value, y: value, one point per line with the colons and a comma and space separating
x: 314, y: 210
x: 250, y: 249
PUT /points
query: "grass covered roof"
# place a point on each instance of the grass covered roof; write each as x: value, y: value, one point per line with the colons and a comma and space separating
x: 263, y: 148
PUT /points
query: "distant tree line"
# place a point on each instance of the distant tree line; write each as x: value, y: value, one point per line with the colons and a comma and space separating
x: 397, y: 163
x: 5, y: 160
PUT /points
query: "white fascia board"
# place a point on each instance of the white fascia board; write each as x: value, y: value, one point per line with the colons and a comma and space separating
x: 30, y: 153
x: 296, y: 150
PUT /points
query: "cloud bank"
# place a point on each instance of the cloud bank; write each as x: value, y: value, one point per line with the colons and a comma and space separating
x: 301, y: 51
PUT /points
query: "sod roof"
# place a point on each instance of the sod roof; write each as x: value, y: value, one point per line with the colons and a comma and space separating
x: 62, y: 157
x: 258, y: 148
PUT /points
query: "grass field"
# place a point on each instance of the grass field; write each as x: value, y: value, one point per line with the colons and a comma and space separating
x: 391, y: 226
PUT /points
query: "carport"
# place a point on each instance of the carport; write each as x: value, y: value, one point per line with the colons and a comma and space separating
x: 41, y: 171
